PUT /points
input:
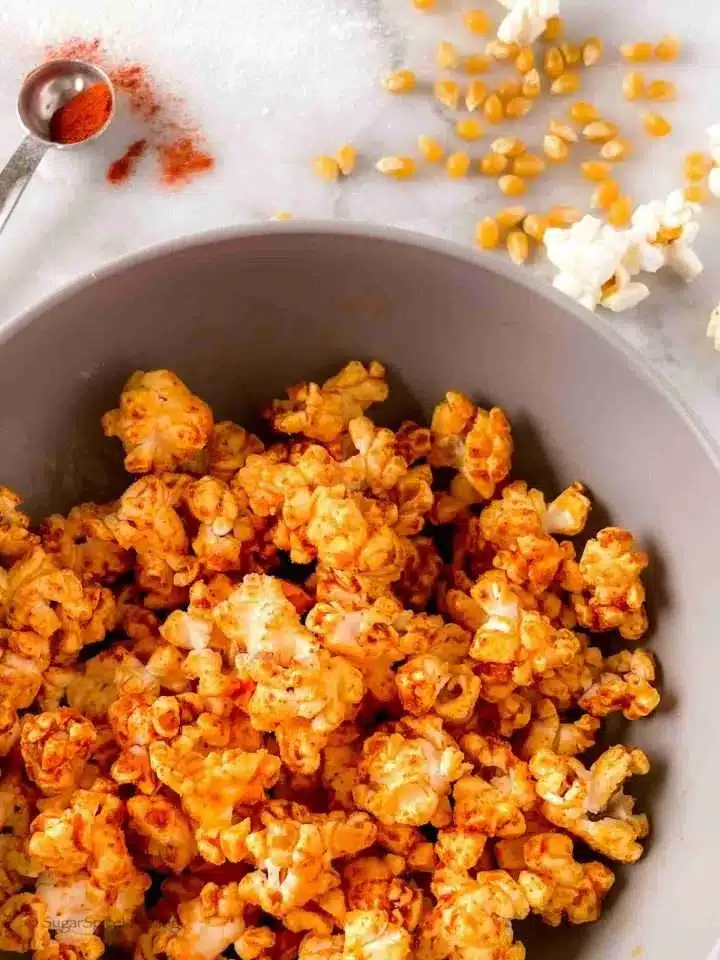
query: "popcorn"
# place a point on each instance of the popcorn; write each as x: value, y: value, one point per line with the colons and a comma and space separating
x: 23, y: 924
x: 713, y: 327
x: 526, y: 20
x: 55, y: 747
x: 672, y: 228
x: 165, y: 832
x: 16, y: 538
x: 374, y: 883
x: 83, y: 543
x: 626, y: 687
x: 370, y: 934
x: 547, y: 732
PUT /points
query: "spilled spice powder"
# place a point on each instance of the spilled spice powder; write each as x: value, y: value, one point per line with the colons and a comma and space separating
x: 178, y: 145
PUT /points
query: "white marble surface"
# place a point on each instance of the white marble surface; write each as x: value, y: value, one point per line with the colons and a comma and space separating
x: 275, y: 82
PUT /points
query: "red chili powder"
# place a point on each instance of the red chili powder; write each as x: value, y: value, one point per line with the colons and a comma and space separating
x: 123, y: 168
x: 83, y: 115
x: 181, y: 159
x: 132, y: 79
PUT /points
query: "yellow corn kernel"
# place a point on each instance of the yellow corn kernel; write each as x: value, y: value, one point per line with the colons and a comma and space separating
x: 637, y: 52
x: 605, y: 194
x: 667, y: 49
x: 446, y: 56
x: 509, y: 89
x: 555, y: 148
x: 592, y: 51
x: 554, y: 63
x: 535, y: 226
x: 457, y: 164
x: 568, y: 82
x: 430, y: 149
x: 476, y: 63
x: 493, y: 109
x: 469, y: 128
x: 661, y: 90
x: 633, y: 85
x: 564, y: 131
x: 493, y: 164
x: 532, y: 84
x: 528, y: 165
x: 478, y: 22
x: 424, y: 4
x: 600, y: 131
x: 518, y: 246
x: 525, y: 60
x: 620, y: 212
x: 616, y: 149
x: 697, y: 166
x: 508, y: 146
x: 510, y: 217
x: 399, y: 167
x: 554, y: 29
x: 502, y: 51
x: 563, y: 216
x: 596, y: 170
x: 447, y: 92
x: 487, y: 234
x: 512, y: 185
x: 572, y: 52
x: 656, y: 125
x: 583, y: 112
x: 346, y: 158
x: 697, y: 193
x: 400, y: 81
x: 477, y: 92
x: 326, y: 168
x: 282, y: 215
x: 518, y: 107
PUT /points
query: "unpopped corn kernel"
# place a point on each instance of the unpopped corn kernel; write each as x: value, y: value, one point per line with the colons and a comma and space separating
x: 620, y: 212
x: 447, y: 92
x: 510, y: 217
x: 487, y: 234
x: 532, y: 84
x: 430, y: 148
x: 478, y: 22
x: 637, y: 52
x: 554, y: 63
x: 564, y: 131
x: 469, y: 128
x: 512, y: 185
x: 583, y: 112
x: 600, y: 131
x: 697, y: 166
x: 476, y: 94
x: 596, y: 170
x: 326, y: 168
x: 554, y: 30
x: 697, y: 193
x: 509, y: 146
x: 475, y: 63
x: 528, y: 165
x: 400, y: 81
x: 509, y: 89
x: 518, y: 107
x: 566, y: 83
x: 502, y: 51
x: 525, y: 60
x: 555, y: 148
x: 346, y: 158
x: 399, y: 167
x: 457, y: 164
x: 663, y: 90
x: 518, y: 246
x: 656, y: 125
x: 616, y: 149
x: 563, y: 216
x: 424, y: 4
x: 535, y: 225
x: 605, y: 194
x: 592, y: 51
x: 446, y: 56
x: 633, y: 85
x: 493, y: 164
x: 668, y: 49
x: 572, y: 52
x: 493, y: 109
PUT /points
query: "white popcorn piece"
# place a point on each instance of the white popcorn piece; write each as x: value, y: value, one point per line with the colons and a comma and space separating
x: 714, y: 181
x: 672, y: 228
x: 713, y: 133
x: 713, y: 327
x: 526, y: 20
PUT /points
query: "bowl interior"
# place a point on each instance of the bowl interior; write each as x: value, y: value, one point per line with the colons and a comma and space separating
x: 240, y: 317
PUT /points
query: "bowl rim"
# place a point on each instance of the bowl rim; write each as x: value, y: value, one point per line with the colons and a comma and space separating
x: 656, y: 380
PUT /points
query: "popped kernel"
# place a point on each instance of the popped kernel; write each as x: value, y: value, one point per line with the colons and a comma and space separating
x: 476, y: 94
x: 518, y: 246
x: 469, y: 128
x: 457, y: 164
x: 656, y: 125
x: 512, y: 185
x: 446, y: 56
x: 447, y: 92
x: 400, y: 81
x: 583, y: 112
x: 637, y: 52
x: 487, y: 233
x: 430, y: 148
x: 402, y: 168
x: 633, y: 86
x: 478, y: 22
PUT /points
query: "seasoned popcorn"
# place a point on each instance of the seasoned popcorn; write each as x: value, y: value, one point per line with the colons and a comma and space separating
x: 322, y: 695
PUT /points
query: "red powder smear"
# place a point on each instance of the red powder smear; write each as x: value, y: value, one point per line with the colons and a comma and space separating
x: 177, y: 144
x: 123, y: 168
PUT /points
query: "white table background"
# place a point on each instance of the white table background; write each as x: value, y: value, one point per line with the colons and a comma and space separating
x: 274, y: 82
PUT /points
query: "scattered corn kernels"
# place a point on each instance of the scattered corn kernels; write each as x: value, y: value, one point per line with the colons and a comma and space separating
x: 600, y: 131
x: 566, y: 83
x: 592, y: 51
x: 446, y: 56
x: 620, y: 212
x: 668, y: 49
x: 502, y: 51
x: 564, y: 131
x: 528, y: 165
x: 493, y: 109
x: 633, y: 85
x: 510, y: 217
x: 554, y: 29
x: 399, y: 167
x: 555, y: 148
x: 525, y: 60
x: 457, y: 164
x: 697, y: 166
x: 509, y: 89
x: 572, y: 52
x: 518, y: 107
x: 697, y: 193
x: 469, y: 128
x: 618, y: 148
x: 661, y: 90
x: 583, y: 112
x: 430, y: 149
x: 535, y: 226
x: 605, y: 194
x: 554, y: 63
x: 512, y: 185
x: 596, y: 170
x: 476, y: 95
x: 478, y: 22
x: 656, y: 125
x: 326, y: 168
x: 637, y: 52
x: 346, y: 158
x: 476, y: 63
x: 509, y: 146
x: 493, y: 164
x: 563, y: 216
x: 518, y: 246
x: 487, y: 234
x: 400, y: 81
x: 532, y: 84
x: 447, y: 92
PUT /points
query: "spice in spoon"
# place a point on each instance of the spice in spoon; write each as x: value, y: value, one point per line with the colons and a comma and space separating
x: 83, y: 116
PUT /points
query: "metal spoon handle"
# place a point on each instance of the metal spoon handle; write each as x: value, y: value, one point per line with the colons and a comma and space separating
x: 16, y: 174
